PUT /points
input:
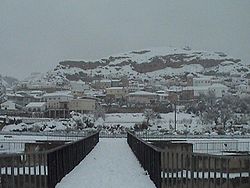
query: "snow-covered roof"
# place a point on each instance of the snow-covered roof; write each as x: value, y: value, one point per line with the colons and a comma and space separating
x: 196, y: 88
x: 203, y: 78
x: 217, y: 85
x: 13, y: 95
x: 204, y: 88
x: 8, y: 103
x: 160, y: 92
x: 115, y: 80
x: 36, y: 104
x: 37, y: 92
x: 58, y: 94
x: 175, y: 89
x: 114, y: 88
x: 163, y: 95
x: 143, y: 93
x: 77, y: 82
x: 106, y: 81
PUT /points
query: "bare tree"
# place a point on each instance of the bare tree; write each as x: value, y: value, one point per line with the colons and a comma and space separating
x: 150, y: 115
x: 99, y: 112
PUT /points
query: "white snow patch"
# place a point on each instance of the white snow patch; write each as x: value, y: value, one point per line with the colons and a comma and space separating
x: 111, y: 164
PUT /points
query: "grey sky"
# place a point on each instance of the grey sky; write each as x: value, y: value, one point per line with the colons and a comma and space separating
x: 35, y: 35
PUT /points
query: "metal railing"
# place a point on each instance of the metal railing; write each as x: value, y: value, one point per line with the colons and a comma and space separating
x: 43, y: 169
x: 158, y: 135
x: 222, y: 147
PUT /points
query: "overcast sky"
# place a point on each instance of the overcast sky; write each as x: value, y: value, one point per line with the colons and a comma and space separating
x: 36, y: 34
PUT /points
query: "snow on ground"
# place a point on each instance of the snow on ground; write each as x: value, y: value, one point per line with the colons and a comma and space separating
x: 10, y: 147
x: 184, y: 121
x: 111, y: 164
x: 44, y: 126
x: 114, y: 68
x: 216, y: 146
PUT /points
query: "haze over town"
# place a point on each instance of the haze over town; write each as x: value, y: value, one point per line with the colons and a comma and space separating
x: 140, y: 94
x: 35, y: 36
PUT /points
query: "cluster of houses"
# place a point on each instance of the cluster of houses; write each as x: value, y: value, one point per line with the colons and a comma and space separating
x: 2, y: 91
x: 57, y: 102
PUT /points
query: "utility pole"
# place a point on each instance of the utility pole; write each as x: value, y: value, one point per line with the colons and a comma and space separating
x: 175, y: 117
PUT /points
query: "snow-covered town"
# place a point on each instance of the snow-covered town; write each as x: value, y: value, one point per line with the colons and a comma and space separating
x: 124, y: 94
x: 207, y: 112
x: 187, y: 104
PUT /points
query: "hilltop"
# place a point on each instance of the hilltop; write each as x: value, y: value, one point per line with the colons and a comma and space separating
x: 148, y: 64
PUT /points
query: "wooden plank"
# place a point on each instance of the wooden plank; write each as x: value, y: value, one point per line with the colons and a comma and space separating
x: 39, y: 170
x: 209, y: 171
x: 6, y: 173
x: 163, y: 169
x: 215, y: 174
x: 12, y: 172
x: 34, y: 166
x: 203, y: 171
x: 18, y: 171
x: 227, y: 166
x: 168, y: 155
x: 23, y: 166
x: 193, y: 168
x: 45, y: 168
x: 221, y: 171
x: 1, y: 176
x: 240, y: 170
x: 182, y: 169
x: 29, y: 169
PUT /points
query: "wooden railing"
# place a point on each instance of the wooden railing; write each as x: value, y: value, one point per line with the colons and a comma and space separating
x: 174, y: 165
x: 149, y: 157
x: 43, y: 169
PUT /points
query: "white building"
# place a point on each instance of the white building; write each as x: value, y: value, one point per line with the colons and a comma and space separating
x: 9, y: 105
x: 37, y: 93
x: 63, y: 96
x: 162, y: 96
x: 116, y: 92
x: 83, y: 105
x: 36, y: 106
x: 79, y: 87
x: 101, y: 84
x: 202, y: 81
x: 142, y: 97
x: 218, y: 89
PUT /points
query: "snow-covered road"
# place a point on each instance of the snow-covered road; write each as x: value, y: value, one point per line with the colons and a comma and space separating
x: 111, y: 164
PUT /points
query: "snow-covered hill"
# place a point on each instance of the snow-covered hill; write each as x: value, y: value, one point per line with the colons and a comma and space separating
x: 7, y: 81
x: 149, y: 64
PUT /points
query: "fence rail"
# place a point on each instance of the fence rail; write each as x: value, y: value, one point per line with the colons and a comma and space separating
x: 222, y: 147
x: 151, y: 134
x: 149, y: 157
x: 146, y: 135
x: 177, y: 166
x: 43, y: 169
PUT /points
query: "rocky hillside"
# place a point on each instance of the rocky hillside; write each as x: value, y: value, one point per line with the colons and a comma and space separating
x: 150, y: 64
x: 7, y: 81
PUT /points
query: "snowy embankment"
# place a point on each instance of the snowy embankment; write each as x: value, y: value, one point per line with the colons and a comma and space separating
x: 112, y: 123
x: 76, y: 122
x: 111, y: 164
x: 166, y: 121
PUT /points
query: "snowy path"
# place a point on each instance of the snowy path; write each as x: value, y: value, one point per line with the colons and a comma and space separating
x: 111, y: 164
